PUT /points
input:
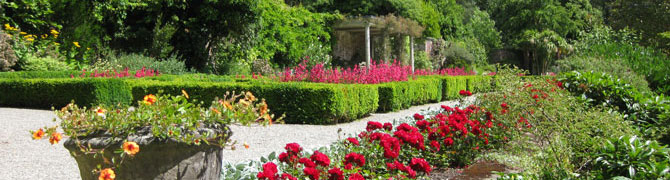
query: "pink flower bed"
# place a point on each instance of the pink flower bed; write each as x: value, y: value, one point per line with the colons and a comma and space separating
x: 374, y: 74
x: 144, y: 72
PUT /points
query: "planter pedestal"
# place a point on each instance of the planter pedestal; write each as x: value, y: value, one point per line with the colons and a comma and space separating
x: 157, y: 159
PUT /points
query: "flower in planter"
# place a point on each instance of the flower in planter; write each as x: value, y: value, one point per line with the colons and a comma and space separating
x: 38, y: 134
x: 107, y: 174
x: 131, y: 148
x: 55, y: 137
x: 149, y: 99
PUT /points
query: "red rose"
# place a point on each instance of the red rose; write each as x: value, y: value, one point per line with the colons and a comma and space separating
x: 356, y: 176
x: 293, y: 148
x: 504, y: 105
x: 420, y: 164
x: 269, y: 171
x: 418, y: 116
x: 312, y: 173
x: 373, y: 125
x: 286, y: 176
x: 435, y: 145
x: 283, y: 157
x: 320, y: 159
x: 353, y: 141
x: 388, y: 126
x: 307, y: 162
x: 335, y: 174
x: 356, y: 158
x: 446, y: 108
x: 422, y: 124
x: 448, y: 141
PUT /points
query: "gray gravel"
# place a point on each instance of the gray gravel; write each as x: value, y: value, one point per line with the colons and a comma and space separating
x: 24, y: 158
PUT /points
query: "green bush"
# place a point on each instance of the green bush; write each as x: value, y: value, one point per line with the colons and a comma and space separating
x: 307, y: 103
x: 616, y: 67
x: 171, y: 65
x: 38, y: 74
x: 400, y: 95
x: 47, y: 93
x: 33, y: 63
x: 633, y: 158
x: 650, y: 112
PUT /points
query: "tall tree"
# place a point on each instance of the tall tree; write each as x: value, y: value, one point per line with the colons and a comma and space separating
x: 649, y: 17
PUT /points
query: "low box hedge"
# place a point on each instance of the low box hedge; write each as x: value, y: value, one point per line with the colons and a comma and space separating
x: 479, y: 84
x: 47, y: 93
x: 38, y: 74
x: 400, y: 95
x: 452, y: 85
x: 306, y: 103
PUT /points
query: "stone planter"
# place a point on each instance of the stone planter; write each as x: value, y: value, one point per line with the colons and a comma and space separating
x: 157, y: 159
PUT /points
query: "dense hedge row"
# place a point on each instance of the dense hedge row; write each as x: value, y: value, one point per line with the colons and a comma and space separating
x: 301, y: 102
x: 47, y: 93
x: 309, y: 103
x: 400, y: 95
x: 38, y: 74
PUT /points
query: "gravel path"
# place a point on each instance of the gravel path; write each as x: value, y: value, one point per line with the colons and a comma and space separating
x: 24, y: 158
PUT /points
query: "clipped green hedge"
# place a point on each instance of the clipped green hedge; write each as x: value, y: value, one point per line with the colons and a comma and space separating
x: 400, y: 95
x: 38, y: 74
x: 452, y: 85
x: 479, y: 84
x: 47, y: 93
x: 306, y: 103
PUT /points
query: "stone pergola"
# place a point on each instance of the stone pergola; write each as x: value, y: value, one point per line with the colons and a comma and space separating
x: 374, y: 26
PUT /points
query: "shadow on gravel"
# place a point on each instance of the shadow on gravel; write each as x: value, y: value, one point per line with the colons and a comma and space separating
x: 479, y: 170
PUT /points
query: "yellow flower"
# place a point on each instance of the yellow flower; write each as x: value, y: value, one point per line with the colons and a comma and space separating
x: 44, y: 36
x: 7, y: 26
x: 76, y: 44
x: 250, y: 96
x: 54, y: 32
x: 22, y: 33
x: 55, y: 137
x: 244, y: 102
x: 38, y: 134
x: 30, y: 39
x: 150, y: 99
x: 57, y: 44
x: 184, y: 93
x: 131, y: 148
x: 107, y: 174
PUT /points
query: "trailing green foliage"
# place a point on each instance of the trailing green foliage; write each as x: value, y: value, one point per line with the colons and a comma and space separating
x: 47, y: 93
x: 400, y: 95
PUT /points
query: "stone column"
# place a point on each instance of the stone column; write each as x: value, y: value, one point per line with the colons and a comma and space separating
x: 367, y: 44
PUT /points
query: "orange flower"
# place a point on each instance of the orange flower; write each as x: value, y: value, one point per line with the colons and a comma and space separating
x: 150, y: 99
x: 107, y: 174
x: 131, y: 148
x: 226, y: 104
x: 264, y: 108
x: 38, y: 134
x: 100, y: 112
x: 216, y: 111
x: 184, y: 93
x: 55, y: 137
x: 246, y: 146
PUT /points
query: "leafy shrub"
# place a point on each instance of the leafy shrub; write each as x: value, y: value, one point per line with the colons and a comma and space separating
x: 47, y: 93
x: 261, y: 66
x: 37, y: 74
x: 649, y: 112
x: 566, y: 130
x: 33, y: 63
x: 631, y: 157
x: 617, y: 68
x: 643, y: 60
x: 422, y: 61
x: 172, y: 65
